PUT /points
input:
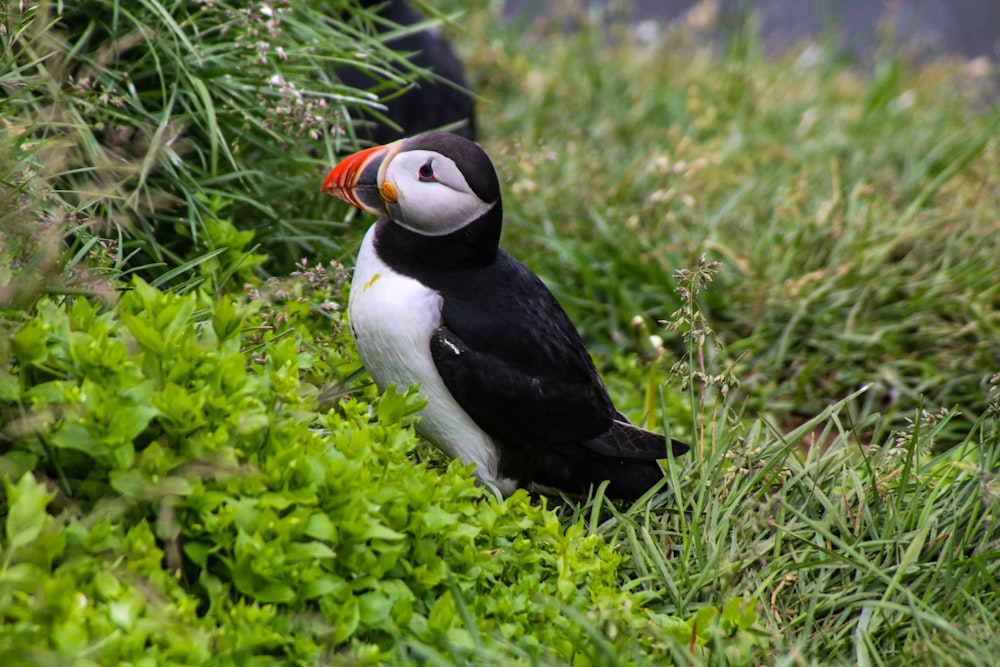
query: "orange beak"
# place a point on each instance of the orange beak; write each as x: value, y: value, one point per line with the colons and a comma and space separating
x: 356, y: 178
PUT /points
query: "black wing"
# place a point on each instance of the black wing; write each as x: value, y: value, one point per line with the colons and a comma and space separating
x: 517, y: 405
x: 512, y: 359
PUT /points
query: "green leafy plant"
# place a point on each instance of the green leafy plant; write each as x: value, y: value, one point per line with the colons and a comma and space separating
x: 167, y: 462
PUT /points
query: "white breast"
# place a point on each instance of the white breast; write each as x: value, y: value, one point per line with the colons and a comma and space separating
x: 392, y: 318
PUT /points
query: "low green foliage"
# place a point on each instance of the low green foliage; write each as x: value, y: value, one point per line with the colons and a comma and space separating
x: 173, y: 491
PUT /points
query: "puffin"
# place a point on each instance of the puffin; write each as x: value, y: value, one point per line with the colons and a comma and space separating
x: 434, y: 301
x: 429, y: 103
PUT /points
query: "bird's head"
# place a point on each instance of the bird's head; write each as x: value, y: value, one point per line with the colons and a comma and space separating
x: 434, y: 183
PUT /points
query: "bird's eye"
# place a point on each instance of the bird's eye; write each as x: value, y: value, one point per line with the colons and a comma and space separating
x: 427, y: 171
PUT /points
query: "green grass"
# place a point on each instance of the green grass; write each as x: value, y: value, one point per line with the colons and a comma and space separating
x: 854, y: 211
x: 877, y: 557
x: 810, y: 246
x: 160, y: 125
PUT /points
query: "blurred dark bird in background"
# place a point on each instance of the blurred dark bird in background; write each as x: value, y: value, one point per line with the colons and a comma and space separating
x: 441, y: 102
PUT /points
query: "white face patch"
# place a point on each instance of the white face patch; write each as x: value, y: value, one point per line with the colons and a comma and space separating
x: 432, y: 195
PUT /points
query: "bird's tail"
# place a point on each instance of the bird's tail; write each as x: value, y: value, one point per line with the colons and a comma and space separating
x: 579, y: 473
x: 627, y: 441
x: 626, y: 456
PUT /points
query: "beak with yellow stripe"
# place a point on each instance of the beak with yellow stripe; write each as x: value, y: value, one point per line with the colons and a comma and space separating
x: 358, y: 179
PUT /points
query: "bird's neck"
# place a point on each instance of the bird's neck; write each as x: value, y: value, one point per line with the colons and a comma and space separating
x: 472, y: 247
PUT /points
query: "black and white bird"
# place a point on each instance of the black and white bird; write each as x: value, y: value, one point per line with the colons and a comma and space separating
x: 509, y: 384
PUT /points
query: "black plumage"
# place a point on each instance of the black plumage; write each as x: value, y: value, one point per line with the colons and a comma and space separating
x: 430, y: 103
x: 513, y: 360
